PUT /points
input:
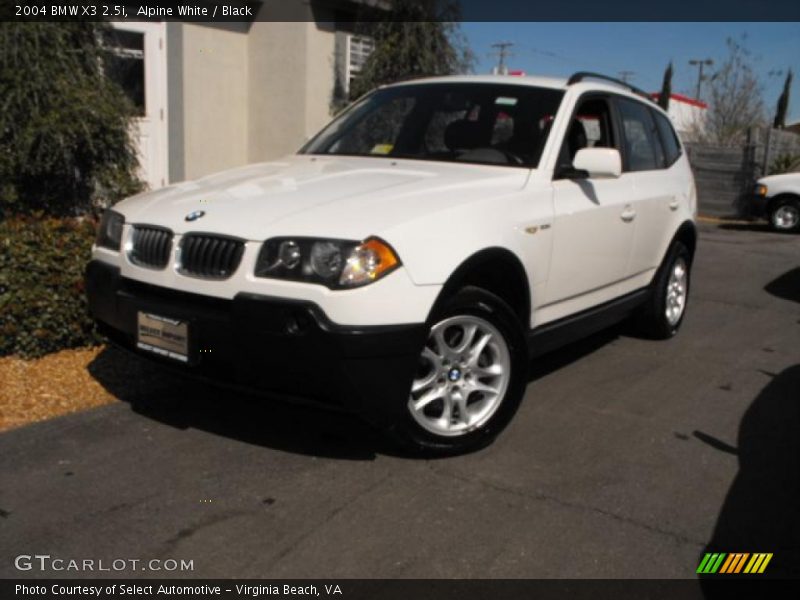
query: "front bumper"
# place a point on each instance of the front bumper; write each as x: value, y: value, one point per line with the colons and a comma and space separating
x: 756, y: 206
x: 286, y: 347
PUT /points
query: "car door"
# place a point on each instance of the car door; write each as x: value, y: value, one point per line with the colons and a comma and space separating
x: 593, y: 223
x: 656, y: 187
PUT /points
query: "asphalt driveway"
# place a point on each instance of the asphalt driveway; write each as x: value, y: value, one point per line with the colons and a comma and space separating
x: 627, y: 459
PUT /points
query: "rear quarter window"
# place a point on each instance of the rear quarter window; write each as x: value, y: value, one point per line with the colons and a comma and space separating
x: 669, y: 139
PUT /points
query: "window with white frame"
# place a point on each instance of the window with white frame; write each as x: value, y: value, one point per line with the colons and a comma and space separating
x: 359, y: 48
x: 124, y: 64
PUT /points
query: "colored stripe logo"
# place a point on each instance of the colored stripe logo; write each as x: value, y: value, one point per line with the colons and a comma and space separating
x: 733, y: 563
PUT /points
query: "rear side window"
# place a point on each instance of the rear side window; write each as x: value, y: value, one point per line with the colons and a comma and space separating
x: 669, y: 138
x: 642, y: 146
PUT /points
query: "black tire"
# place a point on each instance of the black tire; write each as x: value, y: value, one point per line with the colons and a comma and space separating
x: 782, y: 208
x: 651, y: 318
x: 472, y: 302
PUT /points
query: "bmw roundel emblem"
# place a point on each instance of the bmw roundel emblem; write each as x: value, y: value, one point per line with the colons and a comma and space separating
x: 193, y: 216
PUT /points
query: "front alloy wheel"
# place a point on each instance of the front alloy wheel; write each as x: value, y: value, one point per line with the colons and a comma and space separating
x: 471, y: 375
x: 463, y: 375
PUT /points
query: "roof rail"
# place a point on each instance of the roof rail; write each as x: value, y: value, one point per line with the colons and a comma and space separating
x: 581, y: 75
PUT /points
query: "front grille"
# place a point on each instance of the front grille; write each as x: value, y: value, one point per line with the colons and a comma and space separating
x: 151, y: 246
x: 210, y: 256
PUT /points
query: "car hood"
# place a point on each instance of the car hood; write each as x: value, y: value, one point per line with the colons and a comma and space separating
x: 782, y: 179
x: 346, y: 197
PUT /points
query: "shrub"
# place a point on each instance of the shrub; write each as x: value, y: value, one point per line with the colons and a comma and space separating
x: 65, y: 126
x: 42, y: 300
x: 785, y: 163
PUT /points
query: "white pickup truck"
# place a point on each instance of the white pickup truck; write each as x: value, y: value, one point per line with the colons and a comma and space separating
x: 777, y: 197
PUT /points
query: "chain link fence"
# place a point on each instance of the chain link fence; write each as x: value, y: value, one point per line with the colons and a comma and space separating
x: 725, y: 175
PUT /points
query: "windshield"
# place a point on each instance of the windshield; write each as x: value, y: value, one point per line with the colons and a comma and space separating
x: 485, y: 123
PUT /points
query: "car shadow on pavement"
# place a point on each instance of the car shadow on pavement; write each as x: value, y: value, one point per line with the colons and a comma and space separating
x: 558, y: 359
x: 787, y: 286
x: 184, y: 403
x: 761, y: 513
x: 761, y: 226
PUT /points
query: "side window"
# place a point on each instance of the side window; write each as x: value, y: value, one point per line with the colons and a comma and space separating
x: 642, y: 146
x: 669, y: 138
x: 591, y: 127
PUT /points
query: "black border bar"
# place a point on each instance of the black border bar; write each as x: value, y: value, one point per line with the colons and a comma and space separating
x: 365, y: 10
x: 734, y: 586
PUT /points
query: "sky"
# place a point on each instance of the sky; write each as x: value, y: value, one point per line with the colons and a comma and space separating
x: 560, y: 49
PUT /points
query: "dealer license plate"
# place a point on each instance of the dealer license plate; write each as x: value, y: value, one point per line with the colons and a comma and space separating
x: 160, y: 335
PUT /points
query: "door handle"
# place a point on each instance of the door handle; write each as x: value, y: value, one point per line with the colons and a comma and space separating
x: 628, y: 214
x: 673, y: 205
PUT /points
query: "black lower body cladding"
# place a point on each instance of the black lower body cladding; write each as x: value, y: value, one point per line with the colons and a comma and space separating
x: 269, y: 344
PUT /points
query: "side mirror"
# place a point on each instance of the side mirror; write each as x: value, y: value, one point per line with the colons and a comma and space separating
x: 598, y: 162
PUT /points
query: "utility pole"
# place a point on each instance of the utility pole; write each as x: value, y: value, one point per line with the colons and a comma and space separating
x: 626, y: 76
x: 697, y: 62
x: 502, y: 53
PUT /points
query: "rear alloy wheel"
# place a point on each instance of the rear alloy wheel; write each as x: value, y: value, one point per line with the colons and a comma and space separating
x: 677, y: 291
x: 661, y: 315
x: 785, y: 216
x: 470, y: 378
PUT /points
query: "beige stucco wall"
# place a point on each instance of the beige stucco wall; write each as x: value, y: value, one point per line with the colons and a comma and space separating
x: 290, y: 81
x: 252, y: 91
x: 215, y: 99
x: 320, y: 76
x: 277, y: 56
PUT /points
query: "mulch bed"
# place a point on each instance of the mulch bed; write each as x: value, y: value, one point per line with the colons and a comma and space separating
x: 56, y: 384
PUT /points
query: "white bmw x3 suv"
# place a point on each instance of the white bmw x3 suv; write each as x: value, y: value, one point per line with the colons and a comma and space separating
x: 410, y: 259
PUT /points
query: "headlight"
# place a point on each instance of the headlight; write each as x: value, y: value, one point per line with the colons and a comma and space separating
x: 109, y: 233
x: 336, y: 264
x: 761, y: 190
x: 326, y: 260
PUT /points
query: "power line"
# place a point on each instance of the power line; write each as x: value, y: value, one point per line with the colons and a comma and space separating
x: 646, y: 78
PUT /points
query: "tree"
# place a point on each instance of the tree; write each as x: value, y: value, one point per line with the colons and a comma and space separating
x: 783, y: 103
x: 785, y: 163
x: 735, y: 102
x: 416, y: 38
x: 65, y: 128
x: 666, y: 88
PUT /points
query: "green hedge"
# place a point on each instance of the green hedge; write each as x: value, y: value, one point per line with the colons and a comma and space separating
x: 42, y: 299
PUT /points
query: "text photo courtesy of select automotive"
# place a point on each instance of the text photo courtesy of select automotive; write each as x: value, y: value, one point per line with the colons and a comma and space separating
x: 352, y: 291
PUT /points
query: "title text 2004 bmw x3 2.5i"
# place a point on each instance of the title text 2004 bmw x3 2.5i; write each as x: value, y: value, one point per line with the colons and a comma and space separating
x: 414, y: 255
